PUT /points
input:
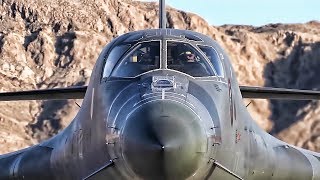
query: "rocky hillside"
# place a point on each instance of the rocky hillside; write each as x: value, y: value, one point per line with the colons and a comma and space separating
x: 45, y: 44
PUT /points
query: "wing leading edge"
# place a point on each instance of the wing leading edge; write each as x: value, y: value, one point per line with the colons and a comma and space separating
x: 278, y: 93
x: 78, y: 92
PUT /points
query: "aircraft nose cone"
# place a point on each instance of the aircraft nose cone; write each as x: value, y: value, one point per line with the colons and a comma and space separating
x: 163, y: 140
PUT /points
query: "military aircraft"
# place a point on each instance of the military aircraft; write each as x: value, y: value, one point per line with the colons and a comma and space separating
x: 162, y: 104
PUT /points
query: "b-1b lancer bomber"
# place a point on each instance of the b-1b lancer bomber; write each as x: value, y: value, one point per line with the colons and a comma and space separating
x: 162, y: 104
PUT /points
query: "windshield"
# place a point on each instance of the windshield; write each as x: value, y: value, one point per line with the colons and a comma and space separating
x: 113, y: 58
x: 141, y: 58
x: 214, y: 58
x: 185, y: 58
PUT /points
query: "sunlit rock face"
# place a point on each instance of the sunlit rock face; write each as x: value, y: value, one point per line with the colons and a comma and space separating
x: 46, y: 45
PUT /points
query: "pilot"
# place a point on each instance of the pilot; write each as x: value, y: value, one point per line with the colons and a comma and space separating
x: 143, y: 56
x: 191, y: 57
x: 187, y: 57
x: 189, y: 62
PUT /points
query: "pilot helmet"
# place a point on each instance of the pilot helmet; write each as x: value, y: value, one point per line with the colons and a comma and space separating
x: 188, y: 56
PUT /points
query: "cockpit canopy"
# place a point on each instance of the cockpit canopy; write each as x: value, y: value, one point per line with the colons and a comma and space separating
x: 143, y: 57
x: 185, y: 58
x: 131, y: 60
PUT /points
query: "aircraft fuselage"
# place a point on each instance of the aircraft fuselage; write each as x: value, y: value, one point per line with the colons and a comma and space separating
x: 162, y: 104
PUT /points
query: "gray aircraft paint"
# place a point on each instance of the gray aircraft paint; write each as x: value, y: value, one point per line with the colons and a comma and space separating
x: 104, y: 142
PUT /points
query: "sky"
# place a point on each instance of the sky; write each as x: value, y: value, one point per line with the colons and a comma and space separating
x: 250, y: 12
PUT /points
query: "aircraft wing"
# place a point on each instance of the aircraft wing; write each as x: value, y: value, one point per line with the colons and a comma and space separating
x: 278, y: 93
x: 76, y: 92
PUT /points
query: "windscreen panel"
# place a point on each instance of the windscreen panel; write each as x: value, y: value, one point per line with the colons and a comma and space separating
x: 141, y: 58
x: 213, y: 56
x: 113, y: 57
x: 185, y: 58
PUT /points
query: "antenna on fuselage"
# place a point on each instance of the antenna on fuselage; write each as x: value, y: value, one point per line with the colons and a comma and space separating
x: 162, y: 15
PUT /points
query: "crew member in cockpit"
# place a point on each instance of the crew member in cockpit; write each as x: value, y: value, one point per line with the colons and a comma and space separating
x: 184, y: 58
x: 190, y: 62
x: 188, y: 57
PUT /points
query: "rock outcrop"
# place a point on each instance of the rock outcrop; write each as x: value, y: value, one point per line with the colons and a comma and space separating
x: 46, y: 45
